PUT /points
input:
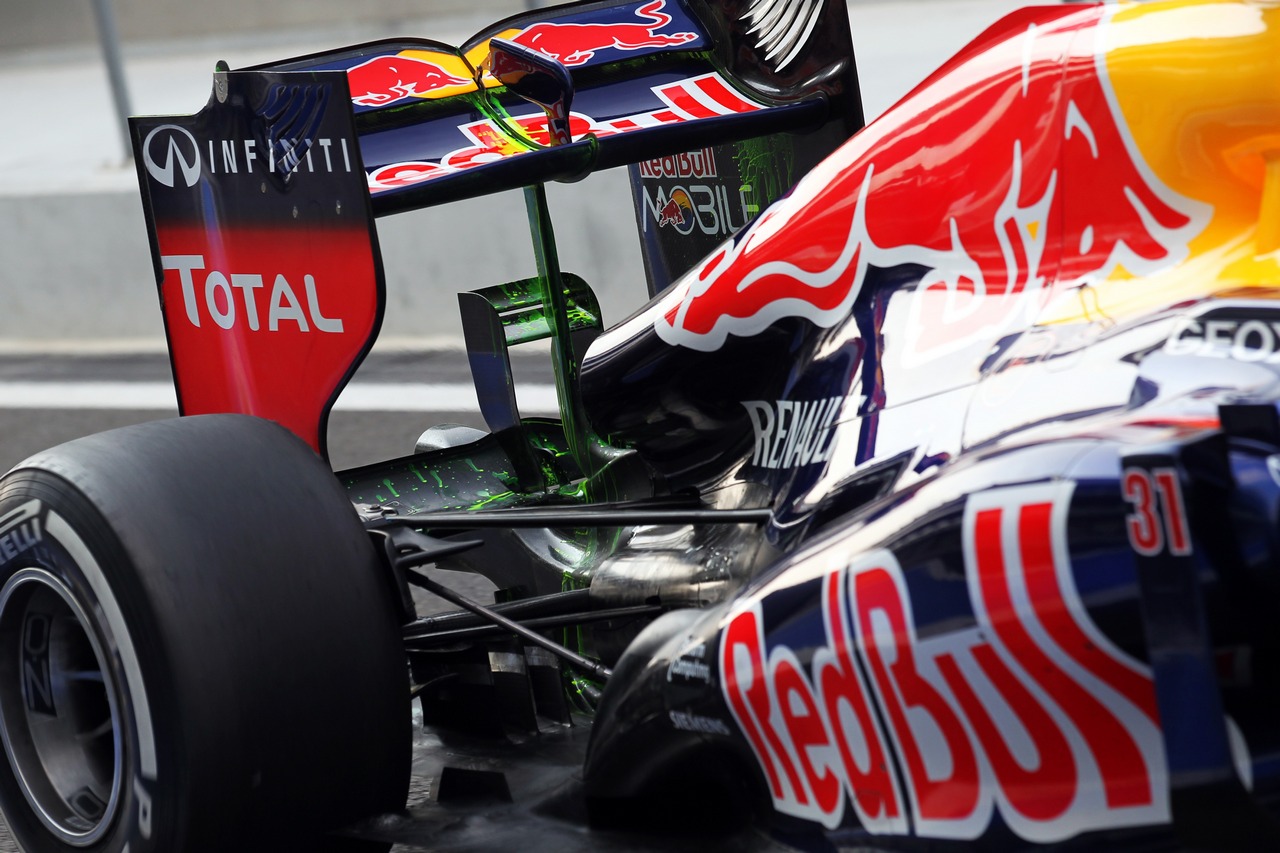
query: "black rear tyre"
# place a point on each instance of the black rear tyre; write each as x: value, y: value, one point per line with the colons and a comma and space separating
x: 198, y: 650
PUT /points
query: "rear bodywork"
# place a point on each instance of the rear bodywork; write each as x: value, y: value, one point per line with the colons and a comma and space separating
x: 993, y: 384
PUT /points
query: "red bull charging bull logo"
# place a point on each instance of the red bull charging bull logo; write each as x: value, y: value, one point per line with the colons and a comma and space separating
x: 1000, y: 185
x: 384, y: 80
x: 677, y: 211
x: 577, y: 44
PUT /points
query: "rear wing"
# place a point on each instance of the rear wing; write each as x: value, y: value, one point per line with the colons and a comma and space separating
x: 260, y: 207
x: 651, y: 79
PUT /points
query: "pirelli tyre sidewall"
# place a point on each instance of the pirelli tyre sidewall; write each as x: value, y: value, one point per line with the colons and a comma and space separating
x: 54, y: 567
x: 247, y: 652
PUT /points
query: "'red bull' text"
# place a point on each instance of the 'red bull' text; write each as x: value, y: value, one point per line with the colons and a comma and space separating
x: 1032, y: 713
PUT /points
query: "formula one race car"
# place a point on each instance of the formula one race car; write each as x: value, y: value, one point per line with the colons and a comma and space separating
x: 938, y: 506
